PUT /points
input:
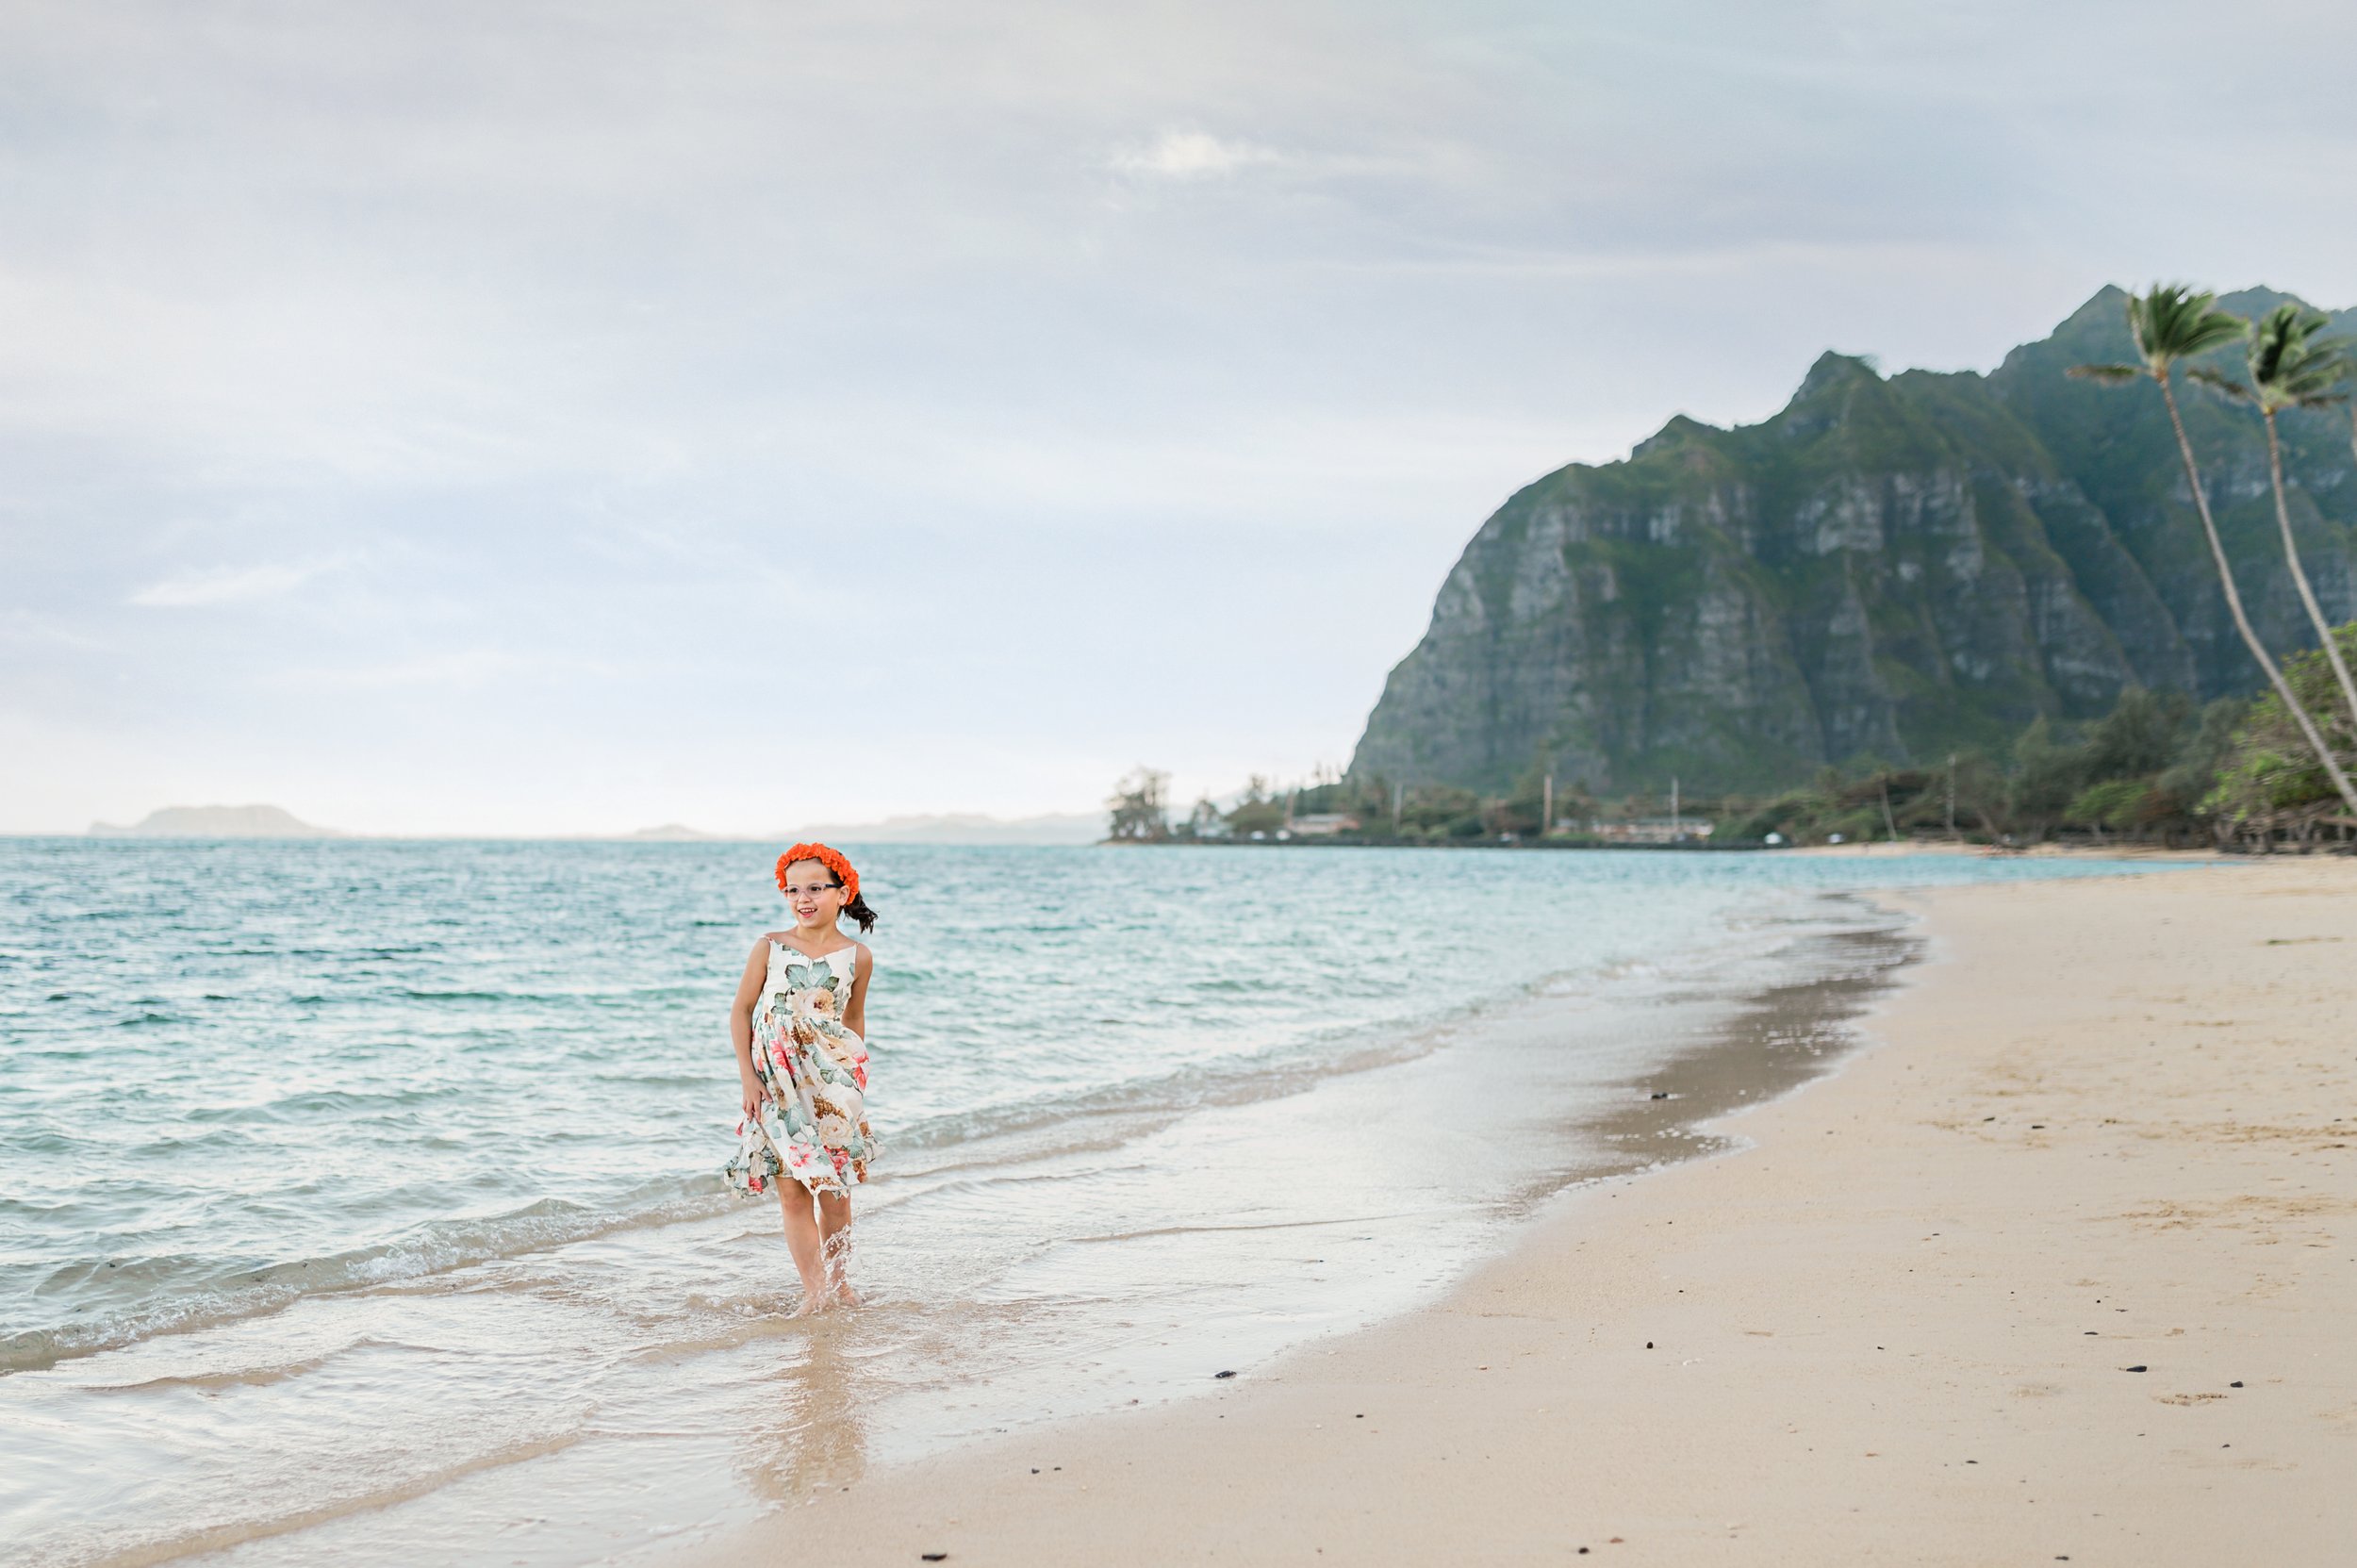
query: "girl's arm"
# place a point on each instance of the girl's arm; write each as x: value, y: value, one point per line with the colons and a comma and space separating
x: 741, y: 1024
x: 855, y: 1010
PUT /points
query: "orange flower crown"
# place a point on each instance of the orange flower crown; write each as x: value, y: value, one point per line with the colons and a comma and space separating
x: 832, y: 859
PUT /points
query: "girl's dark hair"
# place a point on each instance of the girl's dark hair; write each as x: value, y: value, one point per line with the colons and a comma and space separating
x: 857, y: 908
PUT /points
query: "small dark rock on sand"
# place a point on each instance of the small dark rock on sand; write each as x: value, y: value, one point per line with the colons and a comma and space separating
x: 2140, y: 1367
x: 1657, y: 1094
x: 2234, y: 1385
x: 1230, y: 1373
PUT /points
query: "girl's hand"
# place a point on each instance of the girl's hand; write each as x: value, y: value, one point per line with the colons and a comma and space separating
x: 754, y: 1094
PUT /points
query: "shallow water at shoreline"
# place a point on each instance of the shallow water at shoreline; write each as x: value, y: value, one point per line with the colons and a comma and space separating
x: 1211, y: 1149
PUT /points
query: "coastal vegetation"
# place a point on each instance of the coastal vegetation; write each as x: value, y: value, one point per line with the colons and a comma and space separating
x: 2158, y: 769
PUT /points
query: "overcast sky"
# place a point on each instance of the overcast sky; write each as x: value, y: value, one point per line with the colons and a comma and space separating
x: 570, y: 418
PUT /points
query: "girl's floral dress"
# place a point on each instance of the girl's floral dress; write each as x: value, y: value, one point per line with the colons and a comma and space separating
x: 813, y: 1125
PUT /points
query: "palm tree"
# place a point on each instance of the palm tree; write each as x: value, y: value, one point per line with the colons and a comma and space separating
x: 2291, y: 368
x: 2170, y: 323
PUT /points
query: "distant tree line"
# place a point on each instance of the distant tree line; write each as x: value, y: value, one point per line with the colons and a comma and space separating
x: 2155, y: 770
x: 1138, y: 811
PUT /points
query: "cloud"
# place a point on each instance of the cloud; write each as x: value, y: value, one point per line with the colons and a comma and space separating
x: 34, y: 629
x: 997, y: 330
x: 1189, y: 156
x: 223, y: 586
x: 468, y: 669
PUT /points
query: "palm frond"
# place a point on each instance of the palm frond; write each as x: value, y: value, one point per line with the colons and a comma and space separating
x: 2319, y: 388
x: 2270, y: 334
x: 2175, y: 321
x: 2110, y: 374
x: 2224, y: 386
x: 2293, y: 365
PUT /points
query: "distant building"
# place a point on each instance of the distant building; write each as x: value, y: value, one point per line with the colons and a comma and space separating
x: 1323, y: 824
x: 1651, y: 830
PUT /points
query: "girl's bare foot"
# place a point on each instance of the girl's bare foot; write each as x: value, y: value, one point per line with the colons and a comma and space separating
x: 811, y: 1306
x: 836, y: 1251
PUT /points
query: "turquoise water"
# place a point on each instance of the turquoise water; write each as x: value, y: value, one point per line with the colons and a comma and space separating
x: 281, y: 1124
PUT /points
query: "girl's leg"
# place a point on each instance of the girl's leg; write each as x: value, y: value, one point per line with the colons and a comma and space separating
x: 834, y: 1233
x: 803, y: 1239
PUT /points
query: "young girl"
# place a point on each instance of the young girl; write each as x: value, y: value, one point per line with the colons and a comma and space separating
x: 796, y: 1025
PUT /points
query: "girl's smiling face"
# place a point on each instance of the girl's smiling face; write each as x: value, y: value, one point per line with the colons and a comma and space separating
x: 812, y: 892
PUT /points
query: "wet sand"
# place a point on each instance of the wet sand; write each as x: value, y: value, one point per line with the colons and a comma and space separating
x: 2060, y: 1270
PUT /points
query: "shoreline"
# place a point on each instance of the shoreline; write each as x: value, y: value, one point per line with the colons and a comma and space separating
x: 1868, y: 1320
x: 1017, y: 1280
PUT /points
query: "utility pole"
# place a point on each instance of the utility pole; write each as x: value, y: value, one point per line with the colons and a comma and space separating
x: 1399, y: 796
x: 1677, y: 832
x: 1547, y: 811
x: 1951, y: 795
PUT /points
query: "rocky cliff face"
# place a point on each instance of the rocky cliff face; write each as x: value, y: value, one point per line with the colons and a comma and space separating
x: 1895, y: 567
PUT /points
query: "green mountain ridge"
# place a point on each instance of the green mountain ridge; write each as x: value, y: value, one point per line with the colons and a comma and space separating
x: 1894, y: 567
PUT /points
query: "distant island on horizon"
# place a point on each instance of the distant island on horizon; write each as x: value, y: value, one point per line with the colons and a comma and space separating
x: 252, y: 821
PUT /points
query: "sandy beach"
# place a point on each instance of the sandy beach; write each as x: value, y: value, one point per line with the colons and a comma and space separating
x: 2059, y: 1268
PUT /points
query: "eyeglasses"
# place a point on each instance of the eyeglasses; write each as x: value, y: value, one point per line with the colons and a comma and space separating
x: 795, y: 890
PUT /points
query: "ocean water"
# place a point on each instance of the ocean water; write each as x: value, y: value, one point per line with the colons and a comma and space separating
x: 363, y: 1196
